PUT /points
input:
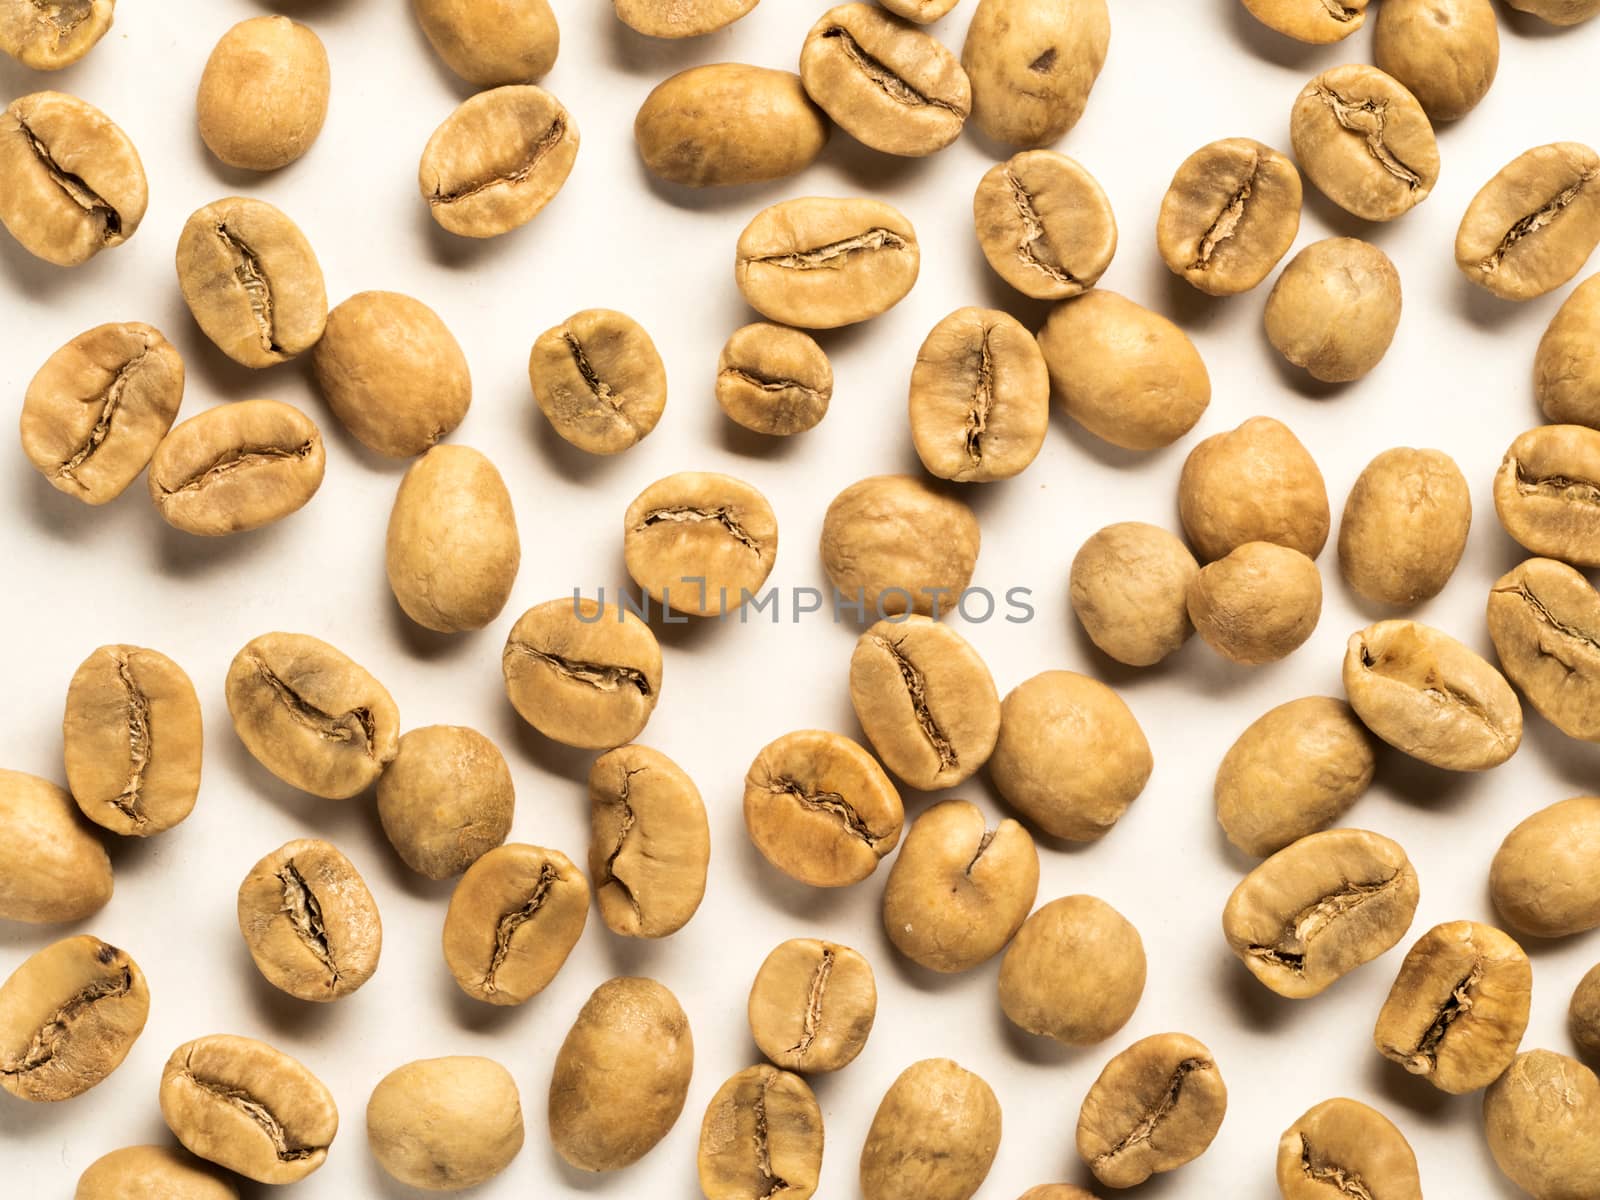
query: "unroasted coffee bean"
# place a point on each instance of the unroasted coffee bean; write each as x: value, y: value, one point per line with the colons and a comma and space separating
x: 1124, y: 373
x: 1426, y: 694
x: 923, y: 12
x: 727, y: 124
x: 650, y: 843
x: 1566, y: 371
x: 1320, y: 908
x: 934, y: 1136
x: 443, y: 1124
x: 514, y: 917
x: 598, y: 380
x: 1344, y: 1148
x: 1230, y: 213
x: 50, y: 34
x: 491, y: 42
x: 1583, y: 1014
x: 761, y: 1137
x: 446, y: 800
x: 621, y: 1076
x: 1032, y: 64
x: 1547, y: 492
x: 71, y: 183
x: 133, y: 739
x: 248, y: 1107
x: 97, y: 409
x: 1130, y: 588
x: 958, y: 890
x: 1335, y: 309
x: 774, y: 380
x: 812, y: 1005
x: 264, y: 93
x: 1056, y: 1191
x: 1405, y: 526
x: 1296, y: 769
x: 980, y: 397
x: 820, y: 808
x: 1458, y: 1007
x: 886, y: 83
x: 1257, y: 604
x: 497, y: 160
x: 151, y: 1173
x: 680, y: 18
x: 1541, y: 1119
x: 1558, y: 12
x: 1316, y: 21
x: 68, y: 1017
x: 898, y: 546
x: 1545, y: 621
x: 699, y: 542
x: 51, y: 867
x: 1445, y: 51
x: 1542, y: 879
x: 1256, y: 483
x: 1075, y: 972
x: 1533, y: 226
x: 1363, y: 139
x: 1155, y: 1106
x: 1045, y: 224
x: 1070, y: 757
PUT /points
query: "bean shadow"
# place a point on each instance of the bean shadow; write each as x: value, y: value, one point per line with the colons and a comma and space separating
x: 742, y: 199
x: 478, y: 1016
x: 284, y: 1014
x: 870, y: 170
x: 420, y: 642
x: 298, y: 7
x: 1097, y: 447
x: 458, y: 253
x: 1258, y: 1008
x: 1419, y: 785
x: 1526, y: 25
x: 1267, y: 43
x: 1186, y: 305
x: 551, y: 757
x: 1297, y: 379
x: 633, y: 956
x: 448, y: 79
x: 1037, y: 1050
x: 568, y: 461
x: 815, y: 906
x: 1410, y: 1092
x: 56, y: 513
x: 331, y: 819
x: 747, y: 443
x: 34, y: 277
x: 1481, y: 307
x: 1577, y: 763
x: 184, y: 555
x: 395, y: 871
x: 639, y: 54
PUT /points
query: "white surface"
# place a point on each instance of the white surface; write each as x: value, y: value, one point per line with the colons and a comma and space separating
x: 1178, y: 76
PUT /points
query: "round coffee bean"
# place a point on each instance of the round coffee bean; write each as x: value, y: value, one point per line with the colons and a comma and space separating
x: 1345, y: 1145
x: 1545, y: 492
x: 1257, y: 604
x: 812, y: 1006
x: 1045, y: 224
x: 443, y: 1124
x: 700, y: 543
x: 728, y: 124
x: 934, y: 1136
x: 1545, y: 621
x: 489, y: 43
x: 774, y: 380
x: 1533, y: 226
x: 761, y: 1137
x: 50, y: 34
x: 264, y: 93
x: 446, y: 800
x: 1542, y: 880
x: 1129, y: 589
x: 1156, y: 1106
x: 1075, y: 972
x: 1256, y: 483
x: 152, y: 1173
x: 1335, y: 309
x: 1566, y: 372
x: 1405, y: 526
x: 1445, y: 51
x: 1229, y: 215
x: 1316, y: 21
x: 1365, y: 142
x: 598, y: 380
x: 1033, y: 65
x: 1540, y: 1120
x: 896, y: 545
x: 1583, y: 1014
x: 52, y: 868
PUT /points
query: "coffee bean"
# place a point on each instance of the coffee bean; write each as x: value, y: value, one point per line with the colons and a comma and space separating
x: 700, y: 543
x: 1129, y: 589
x: 899, y: 546
x: 680, y: 18
x: 934, y: 1136
x: 1545, y: 621
x: 1316, y: 21
x: 1558, y: 12
x: 446, y: 800
x: 443, y: 1124
x: 151, y: 1173
x: 923, y: 12
x: 1229, y: 215
x: 1257, y: 604
x: 52, y: 868
x: 1344, y: 1147
x: 1045, y: 224
x: 1033, y: 65
x: 488, y: 44
x: 774, y: 380
x: 812, y: 1006
x: 1405, y: 526
x: 1075, y: 972
x: 1542, y: 879
x: 1547, y: 492
x: 761, y: 1137
x: 1335, y: 309
x: 599, y: 380
x: 1056, y: 1191
x: 1583, y: 1014
x: 1156, y: 1106
x: 1256, y: 483
x: 1540, y: 1120
x: 1533, y: 226
x: 1365, y: 142
x: 264, y: 94
x: 1445, y: 51
x: 50, y: 34
x: 1566, y: 372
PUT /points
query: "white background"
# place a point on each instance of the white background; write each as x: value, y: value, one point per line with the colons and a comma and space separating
x: 1178, y: 75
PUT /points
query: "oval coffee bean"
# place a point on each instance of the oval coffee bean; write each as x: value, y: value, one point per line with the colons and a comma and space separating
x: 1566, y: 372
x: 680, y: 18
x: 1129, y: 590
x: 1445, y: 51
x: 1256, y: 483
x: 309, y: 921
x: 133, y: 740
x: 1426, y: 694
x: 774, y: 380
x: 812, y: 1005
x: 934, y: 1136
x: 489, y: 44
x: 1033, y: 65
x: 821, y: 263
x: 1156, y: 1106
x: 1365, y: 142
x: 444, y: 1124
x: 513, y: 919
x: 446, y: 800
x: 1542, y: 879
x: 1544, y: 619
x: 598, y: 380
x: 1547, y: 493
x: 68, y: 1017
x: 621, y: 1076
x: 1344, y: 1148
x: 1320, y: 908
x: 151, y: 1173
x: 923, y: 12
x: 1533, y: 226
x: 52, y: 868
x: 1045, y: 224
x: 50, y: 34
x: 1558, y: 12
x: 1258, y: 604
x: 1405, y: 526
x: 898, y: 546
x: 71, y: 183
x: 699, y: 542
x: 1583, y: 1014
x: 248, y: 1107
x: 97, y: 409
x: 497, y: 160
x: 1335, y: 309
x: 1458, y: 1008
x: 1075, y: 972
x: 264, y: 94
x: 1319, y: 22
x: 1229, y: 215
x: 313, y: 717
x: 1540, y: 1120
x: 761, y: 1137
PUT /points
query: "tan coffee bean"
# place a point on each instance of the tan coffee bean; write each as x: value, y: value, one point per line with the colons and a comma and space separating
x: 133, y: 738
x: 621, y: 1076
x: 598, y: 380
x: 761, y: 1136
x: 252, y: 281
x: 497, y: 160
x: 1156, y: 1106
x: 1446, y: 52
x: 1320, y: 908
x: 1229, y: 215
x: 1583, y: 1014
x: 1258, y: 604
x: 1547, y: 492
x: 727, y: 124
x: 1458, y: 1007
x: 934, y: 1136
x: 887, y: 84
x: 1365, y: 142
x: 958, y: 890
x: 50, y: 34
x: 1075, y: 972
x: 71, y: 183
x: 980, y: 397
x: 1045, y: 224
x: 514, y: 917
x: 68, y: 1017
x: 1295, y: 770
x: 1533, y: 226
x: 249, y: 1108
x: 446, y: 800
x: 680, y: 18
x: 52, y: 868
x: 1070, y: 757
x: 1542, y: 879
x: 650, y: 842
x: 1429, y: 696
x: 99, y: 406
x: 1130, y: 588
x: 1032, y: 66
x: 899, y: 546
x: 1124, y: 373
x: 1566, y: 372
x: 1405, y: 526
x: 492, y: 42
x: 1545, y: 621
x: 1316, y: 21
x: 1343, y: 1146
x: 443, y: 1124
x: 151, y: 1173
x: 700, y: 543
x: 1335, y: 309
x: 1558, y: 12
x: 923, y: 12
x: 820, y: 808
x: 264, y: 93
x: 583, y: 673
x: 774, y: 380
x: 1056, y: 1191
x: 1540, y: 1120
x: 812, y: 1006
x: 1256, y: 483
x: 312, y: 716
